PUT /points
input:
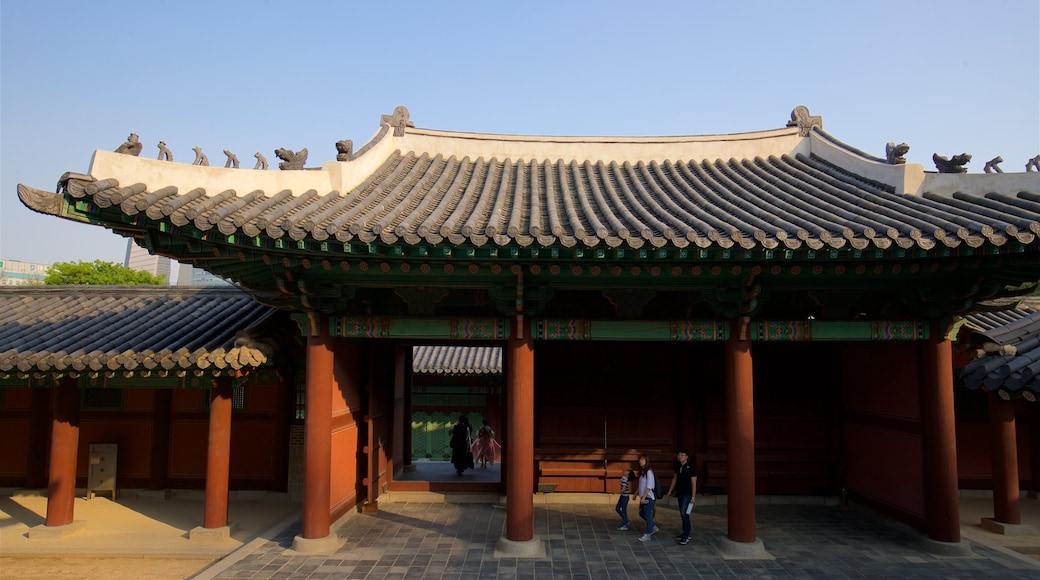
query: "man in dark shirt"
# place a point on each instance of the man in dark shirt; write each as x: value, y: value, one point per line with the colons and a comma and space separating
x: 684, y: 487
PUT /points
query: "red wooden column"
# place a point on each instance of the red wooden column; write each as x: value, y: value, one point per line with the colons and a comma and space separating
x: 519, y: 457
x: 1006, y: 507
x: 61, y: 479
x: 218, y: 455
x: 740, y: 436
x: 317, y: 460
x: 942, y: 507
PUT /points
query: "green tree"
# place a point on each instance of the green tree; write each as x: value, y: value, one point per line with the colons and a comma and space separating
x: 99, y: 273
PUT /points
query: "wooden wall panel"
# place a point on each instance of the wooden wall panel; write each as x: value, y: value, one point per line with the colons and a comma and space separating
x: 188, y: 444
x: 189, y: 400
x: 886, y: 467
x: 133, y: 436
x: 252, y: 449
x: 17, y: 399
x: 139, y: 400
x: 14, y: 459
x: 886, y: 378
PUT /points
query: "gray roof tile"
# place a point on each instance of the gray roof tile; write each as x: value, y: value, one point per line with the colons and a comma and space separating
x: 123, y: 329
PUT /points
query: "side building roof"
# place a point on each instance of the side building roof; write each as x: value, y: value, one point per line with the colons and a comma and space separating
x: 125, y: 331
x: 1009, y: 361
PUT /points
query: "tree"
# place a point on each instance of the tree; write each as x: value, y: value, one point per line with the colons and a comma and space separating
x: 99, y: 273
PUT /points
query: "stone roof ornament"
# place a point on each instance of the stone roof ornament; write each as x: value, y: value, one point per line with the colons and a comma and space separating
x: 399, y: 120
x: 801, y: 118
x: 164, y: 152
x: 232, y: 159
x: 261, y: 161
x: 291, y: 160
x: 894, y: 154
x: 131, y: 147
x: 992, y: 165
x: 1033, y: 164
x: 954, y: 165
x: 200, y: 157
x: 344, y: 150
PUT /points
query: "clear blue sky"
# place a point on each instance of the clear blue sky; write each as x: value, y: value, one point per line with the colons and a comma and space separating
x: 944, y: 76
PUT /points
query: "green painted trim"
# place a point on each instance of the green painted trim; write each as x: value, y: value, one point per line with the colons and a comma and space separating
x: 852, y: 330
x: 630, y: 330
x: 426, y: 328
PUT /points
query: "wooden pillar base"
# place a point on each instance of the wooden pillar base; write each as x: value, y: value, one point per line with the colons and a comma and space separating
x: 1005, y: 529
x: 327, y: 545
x: 958, y: 549
x: 218, y: 534
x: 733, y: 550
x: 45, y: 532
x: 506, y: 548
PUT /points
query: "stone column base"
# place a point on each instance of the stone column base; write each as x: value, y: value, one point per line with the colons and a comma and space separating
x: 732, y: 550
x: 992, y: 525
x: 326, y: 545
x: 201, y: 534
x: 506, y: 548
x: 45, y: 532
x: 950, y: 549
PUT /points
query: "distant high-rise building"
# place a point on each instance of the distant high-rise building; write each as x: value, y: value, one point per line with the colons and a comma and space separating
x: 15, y: 273
x: 187, y: 275
x: 138, y: 258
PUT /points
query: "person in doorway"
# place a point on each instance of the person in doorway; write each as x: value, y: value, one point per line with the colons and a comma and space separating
x: 486, y: 448
x: 625, y: 493
x: 684, y: 487
x: 461, y: 457
x: 647, y: 483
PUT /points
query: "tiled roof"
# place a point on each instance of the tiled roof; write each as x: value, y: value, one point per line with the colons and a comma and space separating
x: 1010, y: 340
x: 126, y: 329
x: 457, y: 360
x: 775, y: 189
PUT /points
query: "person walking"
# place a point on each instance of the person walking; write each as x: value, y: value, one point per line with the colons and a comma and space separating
x: 647, y: 483
x: 622, y: 502
x: 461, y: 456
x: 684, y: 487
x: 485, y: 447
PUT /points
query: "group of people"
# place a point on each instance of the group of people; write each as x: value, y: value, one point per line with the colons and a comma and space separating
x: 683, y: 487
x: 467, y: 451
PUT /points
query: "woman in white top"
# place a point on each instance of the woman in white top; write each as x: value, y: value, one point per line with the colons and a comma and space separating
x: 646, y: 497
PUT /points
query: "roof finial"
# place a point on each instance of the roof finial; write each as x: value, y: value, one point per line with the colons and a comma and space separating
x: 164, y: 152
x: 993, y: 165
x: 344, y: 150
x: 290, y: 159
x: 1033, y: 164
x: 399, y: 120
x: 953, y: 165
x: 131, y: 147
x: 801, y: 118
x: 200, y: 157
x: 894, y: 154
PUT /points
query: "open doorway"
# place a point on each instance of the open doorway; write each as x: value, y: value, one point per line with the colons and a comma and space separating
x: 449, y: 382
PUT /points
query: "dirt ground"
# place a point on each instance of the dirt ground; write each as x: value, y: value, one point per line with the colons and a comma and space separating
x: 92, y: 567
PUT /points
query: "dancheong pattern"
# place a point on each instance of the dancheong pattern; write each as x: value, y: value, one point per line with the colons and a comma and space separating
x: 476, y: 328
x: 895, y: 330
x: 560, y: 329
x: 688, y: 330
x: 793, y: 330
x: 364, y: 327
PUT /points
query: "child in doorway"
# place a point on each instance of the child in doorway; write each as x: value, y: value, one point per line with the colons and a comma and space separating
x: 622, y: 503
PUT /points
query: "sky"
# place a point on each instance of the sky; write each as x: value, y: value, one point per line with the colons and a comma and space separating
x: 945, y: 77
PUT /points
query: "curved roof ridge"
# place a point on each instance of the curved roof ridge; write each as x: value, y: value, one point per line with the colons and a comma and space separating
x: 626, y: 139
x: 843, y: 145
